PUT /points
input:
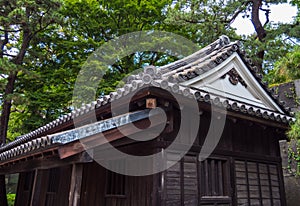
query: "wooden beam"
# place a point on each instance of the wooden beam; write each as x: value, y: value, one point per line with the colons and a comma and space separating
x: 108, y: 136
x: 45, y: 163
x: 195, y: 149
x: 207, y: 107
x: 75, y: 187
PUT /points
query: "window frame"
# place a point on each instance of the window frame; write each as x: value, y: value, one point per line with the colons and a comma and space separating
x: 111, y: 186
x: 226, y: 185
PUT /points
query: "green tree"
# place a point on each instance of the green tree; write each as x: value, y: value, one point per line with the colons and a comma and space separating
x: 286, y: 69
x: 203, y: 21
x: 206, y: 20
x: 95, y: 22
x: 47, y: 87
x: 20, y: 22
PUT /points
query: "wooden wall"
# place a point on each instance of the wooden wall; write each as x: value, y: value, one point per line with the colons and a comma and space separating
x: 98, y: 189
x: 190, y: 182
x: 244, y: 169
x: 44, y: 187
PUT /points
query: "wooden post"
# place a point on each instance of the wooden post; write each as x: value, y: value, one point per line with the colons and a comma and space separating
x: 3, y: 199
x: 35, y: 176
x: 38, y: 188
x: 75, y: 187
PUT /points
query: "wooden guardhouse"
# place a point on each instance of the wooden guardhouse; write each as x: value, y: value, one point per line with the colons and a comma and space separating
x: 56, y: 168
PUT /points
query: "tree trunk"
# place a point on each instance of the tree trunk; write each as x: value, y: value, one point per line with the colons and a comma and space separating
x: 260, y: 31
x: 7, y: 102
x: 6, y: 106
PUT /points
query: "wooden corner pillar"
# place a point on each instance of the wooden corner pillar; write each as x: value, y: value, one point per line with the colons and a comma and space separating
x: 75, y: 187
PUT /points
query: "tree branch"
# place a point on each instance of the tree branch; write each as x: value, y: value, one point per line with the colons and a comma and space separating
x: 6, y: 30
x: 3, y: 43
x: 27, y: 36
x: 9, y: 55
x: 267, y: 13
x: 242, y: 8
x: 291, y: 40
x: 193, y: 21
x: 261, y: 33
x: 42, y: 28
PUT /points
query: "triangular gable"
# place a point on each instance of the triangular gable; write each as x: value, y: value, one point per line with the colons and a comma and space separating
x: 234, y: 80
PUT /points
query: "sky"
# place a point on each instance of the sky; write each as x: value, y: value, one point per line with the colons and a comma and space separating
x: 279, y: 13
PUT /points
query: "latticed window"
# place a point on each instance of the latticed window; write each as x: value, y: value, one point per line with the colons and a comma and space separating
x: 215, y: 182
x: 214, y: 178
x: 257, y: 184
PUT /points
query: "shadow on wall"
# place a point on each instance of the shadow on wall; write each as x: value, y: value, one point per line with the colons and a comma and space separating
x: 290, y: 170
x: 290, y: 94
x: 292, y: 190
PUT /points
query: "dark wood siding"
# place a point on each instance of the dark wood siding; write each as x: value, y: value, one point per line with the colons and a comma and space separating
x: 137, y: 190
x: 181, y: 184
x: 244, y: 169
x: 190, y: 177
x: 49, y: 187
x: 24, y: 190
x: 218, y: 179
x: 93, y: 185
x: 190, y: 182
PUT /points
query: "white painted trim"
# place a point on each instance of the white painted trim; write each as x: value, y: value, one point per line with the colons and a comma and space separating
x: 235, y: 61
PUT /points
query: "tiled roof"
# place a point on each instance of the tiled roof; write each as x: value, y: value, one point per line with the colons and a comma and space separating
x: 74, y: 134
x: 167, y: 77
x: 207, y: 59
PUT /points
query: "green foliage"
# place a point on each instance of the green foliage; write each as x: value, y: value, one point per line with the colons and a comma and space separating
x: 57, y: 53
x: 203, y: 21
x: 286, y: 69
x: 294, y: 132
x: 276, y: 46
x: 294, y: 157
x: 294, y: 146
x: 21, y: 23
x: 44, y: 91
x: 11, y: 199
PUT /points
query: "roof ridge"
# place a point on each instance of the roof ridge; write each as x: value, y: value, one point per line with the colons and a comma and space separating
x: 216, y: 45
x: 214, y: 56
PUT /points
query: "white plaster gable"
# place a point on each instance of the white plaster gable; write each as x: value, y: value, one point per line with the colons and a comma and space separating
x: 253, y: 93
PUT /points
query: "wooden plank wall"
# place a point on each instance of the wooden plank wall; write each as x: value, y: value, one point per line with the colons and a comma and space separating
x: 257, y: 183
x: 24, y: 190
x: 245, y: 164
x: 181, y: 183
x: 190, y: 182
x: 138, y: 190
x: 44, y: 187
